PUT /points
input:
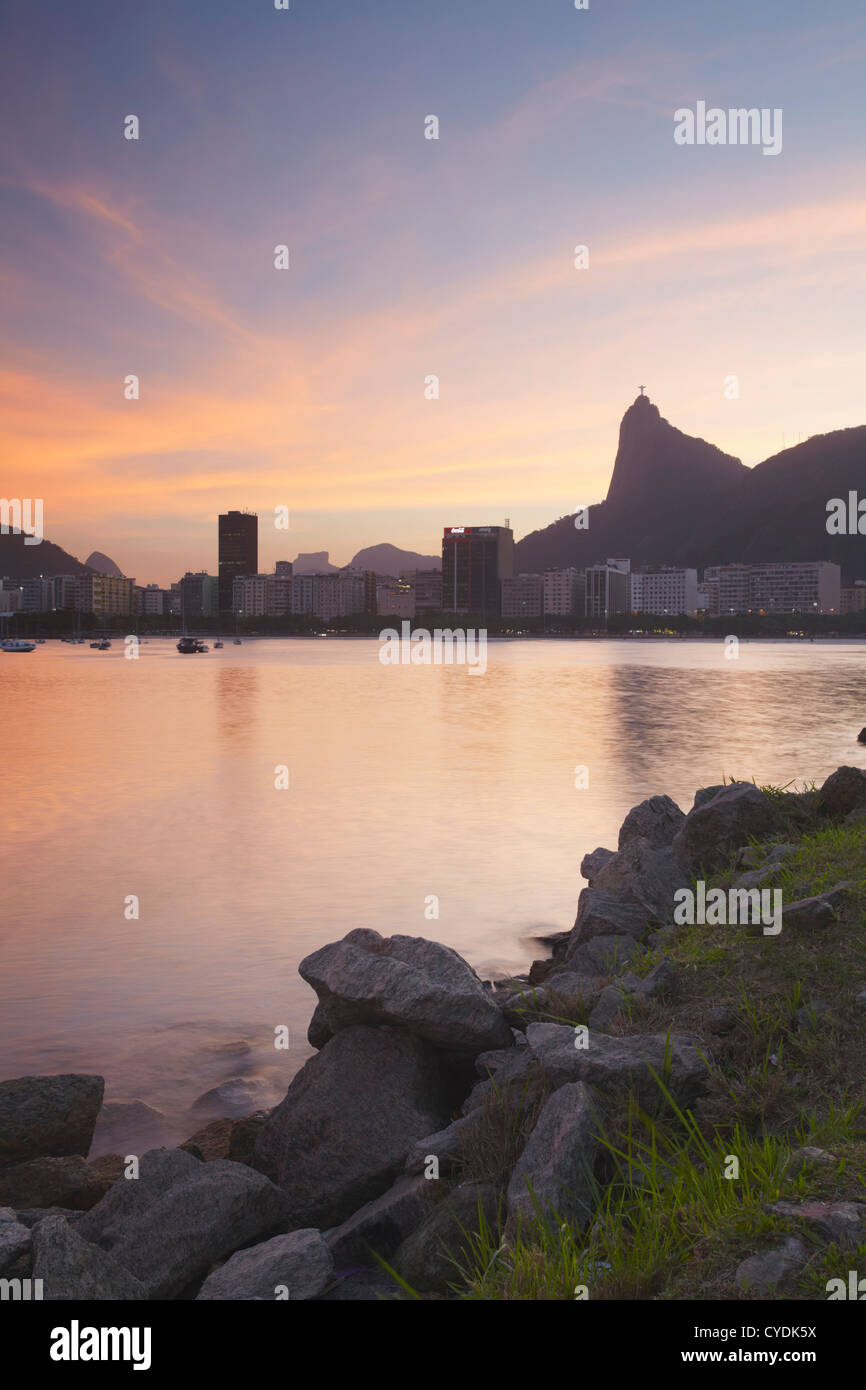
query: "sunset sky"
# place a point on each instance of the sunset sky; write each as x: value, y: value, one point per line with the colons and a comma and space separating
x: 305, y: 388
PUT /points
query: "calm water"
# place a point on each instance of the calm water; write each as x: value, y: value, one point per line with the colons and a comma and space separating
x: 156, y: 778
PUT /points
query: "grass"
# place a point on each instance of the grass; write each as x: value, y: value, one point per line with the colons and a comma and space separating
x: 669, y: 1223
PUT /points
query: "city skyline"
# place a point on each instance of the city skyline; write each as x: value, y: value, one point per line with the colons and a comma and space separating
x: 409, y: 258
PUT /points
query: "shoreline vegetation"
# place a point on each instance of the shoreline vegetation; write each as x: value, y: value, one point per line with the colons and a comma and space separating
x: 655, y: 1111
x: 781, y: 626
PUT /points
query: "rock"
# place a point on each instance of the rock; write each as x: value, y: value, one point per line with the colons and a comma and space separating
x: 540, y: 969
x: 318, y: 1032
x: 861, y: 737
x: 299, y: 1264
x: 843, y: 1223
x: 592, y: 864
x: 763, y: 1273
x: 655, y: 820
x: 860, y: 1000
x: 232, y: 1099
x: 71, y: 1268
x: 601, y: 956
x: 108, y: 1168
x: 568, y: 993
x: 711, y: 830
x: 780, y: 852
x: 31, y: 1216
x: 757, y: 877
x: 747, y: 857
x: 721, y: 1020
x: 801, y: 1158
x: 808, y: 914
x: 607, y: 1061
x: 496, y: 1076
x: 658, y: 940
x: 180, y: 1216
x: 362, y: 1285
x: 645, y: 875
x: 662, y: 979
x: 426, y: 1259
x: 446, y: 1145
x: 808, y: 1017
x: 130, y: 1126
x: 610, y: 1006
x: 381, y: 1225
x: 599, y: 914
x: 48, y: 1116
x: 349, y: 1119
x: 53, y: 1182
x: 233, y: 1139
x: 843, y: 790
x: 705, y: 794
x: 553, y: 1176
x: 409, y: 982
x: 15, y: 1239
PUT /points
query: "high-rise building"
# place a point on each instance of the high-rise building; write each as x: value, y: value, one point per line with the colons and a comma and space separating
x: 238, y: 552
x: 564, y: 592
x: 608, y: 589
x: 283, y: 569
x: 807, y: 586
x: 475, y: 560
x: 853, y: 598
x: 664, y: 589
x: 428, y: 589
x: 104, y: 594
x: 155, y: 600
x: 523, y: 596
x: 199, y: 595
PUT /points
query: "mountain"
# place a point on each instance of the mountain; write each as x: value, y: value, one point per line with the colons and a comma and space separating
x: 19, y: 561
x: 678, y: 500
x: 389, y: 559
x: 103, y: 565
x: 315, y: 563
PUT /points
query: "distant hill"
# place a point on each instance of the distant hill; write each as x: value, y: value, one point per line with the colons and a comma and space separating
x: 679, y: 500
x: 19, y: 561
x: 103, y: 565
x: 389, y: 559
x: 316, y: 562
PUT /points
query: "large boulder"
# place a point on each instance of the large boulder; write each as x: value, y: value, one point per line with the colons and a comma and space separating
x: 350, y: 1116
x: 71, y: 1268
x: 447, y: 1146
x: 645, y: 874
x: 428, y: 1260
x: 593, y: 863
x: 554, y: 1174
x: 180, y: 1216
x: 656, y: 820
x: 408, y: 982
x: 48, y: 1116
x: 601, y: 914
x: 14, y: 1239
x: 599, y: 956
x: 381, y: 1225
x: 606, y: 1062
x: 843, y: 790
x: 710, y: 831
x: 297, y: 1267
x: 53, y: 1182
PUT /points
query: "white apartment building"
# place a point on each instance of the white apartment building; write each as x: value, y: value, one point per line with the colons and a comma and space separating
x: 565, y: 592
x: 809, y: 586
x: 661, y: 589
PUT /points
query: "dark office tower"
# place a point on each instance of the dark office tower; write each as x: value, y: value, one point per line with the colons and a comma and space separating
x: 238, y: 551
x: 475, y: 560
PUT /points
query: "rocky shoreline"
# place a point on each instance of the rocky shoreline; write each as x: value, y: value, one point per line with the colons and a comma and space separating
x: 437, y: 1103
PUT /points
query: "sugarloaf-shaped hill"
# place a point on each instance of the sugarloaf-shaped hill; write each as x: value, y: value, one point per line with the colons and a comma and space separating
x: 678, y: 500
